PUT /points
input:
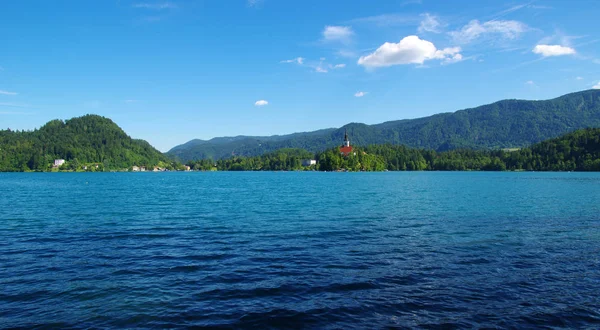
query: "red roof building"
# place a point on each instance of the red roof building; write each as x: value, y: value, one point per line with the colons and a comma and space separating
x: 346, y: 149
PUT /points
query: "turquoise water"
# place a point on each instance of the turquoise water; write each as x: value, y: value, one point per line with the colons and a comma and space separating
x: 300, y: 250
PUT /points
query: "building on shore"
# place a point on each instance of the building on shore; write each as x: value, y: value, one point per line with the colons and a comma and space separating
x: 58, y: 162
x: 346, y: 149
x: 309, y: 162
x: 135, y: 169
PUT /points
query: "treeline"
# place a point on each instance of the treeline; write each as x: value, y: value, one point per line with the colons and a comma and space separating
x: 91, y: 142
x: 503, y: 124
x: 95, y: 143
x: 577, y: 151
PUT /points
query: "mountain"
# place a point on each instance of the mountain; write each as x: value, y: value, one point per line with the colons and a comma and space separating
x: 575, y: 151
x: 503, y: 124
x: 90, y: 139
x: 224, y: 147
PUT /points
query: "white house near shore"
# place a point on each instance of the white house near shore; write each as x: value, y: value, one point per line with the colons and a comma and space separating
x: 58, y: 162
x: 309, y: 162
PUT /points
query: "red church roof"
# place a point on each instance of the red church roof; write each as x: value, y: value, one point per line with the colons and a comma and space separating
x: 346, y: 150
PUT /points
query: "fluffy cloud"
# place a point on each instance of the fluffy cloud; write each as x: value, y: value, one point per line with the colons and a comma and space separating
x: 451, y: 55
x: 339, y: 66
x: 7, y: 93
x: 410, y: 50
x: 261, y: 103
x: 337, y: 33
x: 299, y: 60
x: 475, y: 29
x: 596, y: 86
x: 553, y: 50
x: 530, y: 82
x: 320, y: 69
x: 429, y: 24
x: 579, y: 78
x: 360, y: 94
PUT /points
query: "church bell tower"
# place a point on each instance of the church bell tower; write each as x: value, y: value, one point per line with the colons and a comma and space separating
x: 346, y: 140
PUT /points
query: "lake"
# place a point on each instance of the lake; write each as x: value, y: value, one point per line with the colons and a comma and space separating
x: 300, y: 250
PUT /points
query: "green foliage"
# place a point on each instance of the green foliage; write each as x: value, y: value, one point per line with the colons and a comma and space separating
x: 94, y: 143
x: 280, y: 160
x: 504, y: 124
x: 577, y: 151
x: 87, y: 141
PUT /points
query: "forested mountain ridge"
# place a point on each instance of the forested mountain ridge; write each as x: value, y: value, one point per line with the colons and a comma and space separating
x: 224, y: 147
x: 89, y: 139
x: 503, y: 124
x: 576, y: 151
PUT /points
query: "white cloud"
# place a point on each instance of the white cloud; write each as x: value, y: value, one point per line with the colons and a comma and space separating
x: 454, y: 58
x: 261, y: 103
x: 298, y: 60
x: 429, y: 24
x: 360, y: 94
x: 320, y: 66
x: 7, y: 93
x: 530, y: 82
x: 131, y: 101
x: 156, y: 6
x: 410, y: 50
x: 337, y: 33
x: 474, y: 30
x: 579, y: 78
x: 596, y: 86
x: 553, y: 50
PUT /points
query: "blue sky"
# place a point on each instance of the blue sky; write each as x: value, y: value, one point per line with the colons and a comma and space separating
x: 171, y: 71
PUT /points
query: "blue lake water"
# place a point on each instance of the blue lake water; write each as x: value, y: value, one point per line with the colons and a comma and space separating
x: 300, y: 250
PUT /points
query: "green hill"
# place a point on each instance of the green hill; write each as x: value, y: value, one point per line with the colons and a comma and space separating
x: 576, y: 151
x: 83, y: 140
x: 504, y: 124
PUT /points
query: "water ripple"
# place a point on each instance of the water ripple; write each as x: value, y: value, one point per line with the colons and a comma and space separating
x: 300, y: 250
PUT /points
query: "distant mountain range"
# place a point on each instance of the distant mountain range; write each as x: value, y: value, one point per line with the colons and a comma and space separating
x: 503, y: 124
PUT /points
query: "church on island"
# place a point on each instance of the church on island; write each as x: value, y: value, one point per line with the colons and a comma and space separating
x: 346, y: 149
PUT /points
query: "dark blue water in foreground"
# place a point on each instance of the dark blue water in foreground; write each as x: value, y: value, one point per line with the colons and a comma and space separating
x: 300, y: 250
